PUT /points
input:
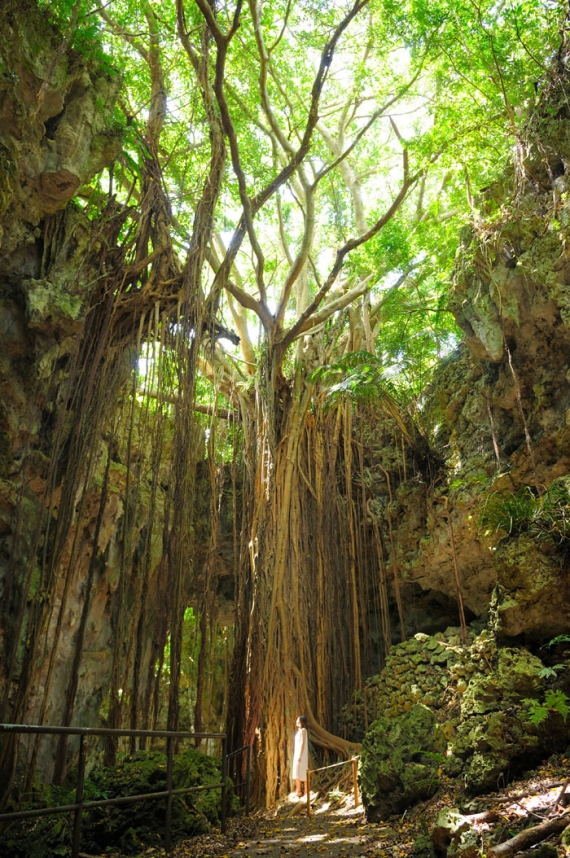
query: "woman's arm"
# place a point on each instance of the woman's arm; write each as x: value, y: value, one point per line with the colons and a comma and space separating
x: 303, y: 740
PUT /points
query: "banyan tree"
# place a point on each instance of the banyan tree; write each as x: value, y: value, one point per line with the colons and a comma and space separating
x: 226, y: 235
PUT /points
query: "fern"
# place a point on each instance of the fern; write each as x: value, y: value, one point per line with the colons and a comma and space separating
x: 554, y: 701
x: 557, y: 640
x: 362, y: 377
x: 550, y: 672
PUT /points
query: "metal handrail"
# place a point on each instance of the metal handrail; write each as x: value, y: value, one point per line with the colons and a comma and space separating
x: 354, y: 761
x: 247, y: 781
x: 80, y: 804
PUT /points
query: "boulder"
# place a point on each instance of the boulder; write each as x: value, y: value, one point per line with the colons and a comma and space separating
x: 534, y: 589
x: 453, y: 835
x: 399, y: 762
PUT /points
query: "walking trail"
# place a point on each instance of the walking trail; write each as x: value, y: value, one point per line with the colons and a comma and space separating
x: 339, y: 832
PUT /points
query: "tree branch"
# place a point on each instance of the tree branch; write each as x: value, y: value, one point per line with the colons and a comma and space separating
x: 341, y: 254
x: 287, y: 171
x: 333, y: 306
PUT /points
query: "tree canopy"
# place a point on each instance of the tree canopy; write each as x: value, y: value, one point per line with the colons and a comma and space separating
x: 328, y: 152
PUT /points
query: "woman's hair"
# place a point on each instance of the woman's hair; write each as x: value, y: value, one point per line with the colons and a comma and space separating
x: 303, y: 720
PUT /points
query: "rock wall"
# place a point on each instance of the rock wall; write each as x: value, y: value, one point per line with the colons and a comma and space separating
x: 56, y: 127
x: 56, y: 131
x: 499, y: 408
x: 474, y: 702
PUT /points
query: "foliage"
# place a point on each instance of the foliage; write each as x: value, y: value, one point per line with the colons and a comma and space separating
x: 77, y: 22
x: 44, y: 837
x: 359, y: 375
x: 219, y: 643
x: 399, y: 762
x: 554, y: 702
x: 297, y: 170
x: 550, y: 672
x: 544, y: 517
x: 127, y: 827
x: 559, y: 639
x: 509, y: 514
x: 462, y: 78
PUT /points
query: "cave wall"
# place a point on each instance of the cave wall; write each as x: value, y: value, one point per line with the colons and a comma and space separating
x: 499, y: 407
x: 56, y: 132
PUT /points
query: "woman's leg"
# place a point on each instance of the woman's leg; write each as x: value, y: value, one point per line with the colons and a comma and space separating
x: 298, y: 787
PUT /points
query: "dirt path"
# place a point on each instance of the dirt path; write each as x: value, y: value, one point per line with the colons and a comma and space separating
x: 338, y: 832
x: 300, y: 835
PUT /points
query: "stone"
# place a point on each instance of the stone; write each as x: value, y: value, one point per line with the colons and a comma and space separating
x: 399, y: 761
x: 535, y: 591
x: 466, y: 845
x: 493, y: 745
x: 517, y: 677
x: 42, y: 171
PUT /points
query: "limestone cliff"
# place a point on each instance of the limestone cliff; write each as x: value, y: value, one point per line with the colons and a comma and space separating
x: 82, y: 533
x: 499, y: 408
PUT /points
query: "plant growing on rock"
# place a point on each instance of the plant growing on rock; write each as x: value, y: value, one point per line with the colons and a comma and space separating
x: 400, y: 762
x: 546, y: 517
x: 554, y: 702
x: 280, y: 208
x: 127, y: 827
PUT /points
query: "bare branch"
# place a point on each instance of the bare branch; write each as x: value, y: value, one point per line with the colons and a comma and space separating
x: 301, y: 258
x: 407, y: 184
x: 334, y: 306
x: 312, y: 118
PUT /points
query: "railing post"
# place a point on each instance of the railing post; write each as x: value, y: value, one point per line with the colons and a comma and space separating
x: 78, y: 799
x: 355, y: 779
x: 224, y: 785
x: 247, y: 780
x: 169, y: 755
x: 308, y: 792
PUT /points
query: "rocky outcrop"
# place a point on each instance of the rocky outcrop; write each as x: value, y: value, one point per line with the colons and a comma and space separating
x: 56, y: 127
x: 427, y: 670
x: 499, y: 407
x: 495, y: 736
x: 479, y: 696
x: 56, y: 132
x: 399, y: 762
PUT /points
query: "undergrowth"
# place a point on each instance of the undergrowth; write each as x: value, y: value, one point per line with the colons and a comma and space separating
x: 554, y: 702
x: 128, y: 828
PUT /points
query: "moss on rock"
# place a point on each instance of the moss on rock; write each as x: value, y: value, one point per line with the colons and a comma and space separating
x: 399, y: 762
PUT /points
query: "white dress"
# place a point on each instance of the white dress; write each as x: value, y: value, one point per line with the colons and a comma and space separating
x: 301, y: 765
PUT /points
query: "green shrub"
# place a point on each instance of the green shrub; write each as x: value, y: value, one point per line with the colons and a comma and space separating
x: 128, y: 828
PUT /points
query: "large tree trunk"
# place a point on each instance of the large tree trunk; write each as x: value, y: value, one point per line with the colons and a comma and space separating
x: 296, y: 642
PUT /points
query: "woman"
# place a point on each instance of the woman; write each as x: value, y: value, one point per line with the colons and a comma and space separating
x: 301, y: 756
